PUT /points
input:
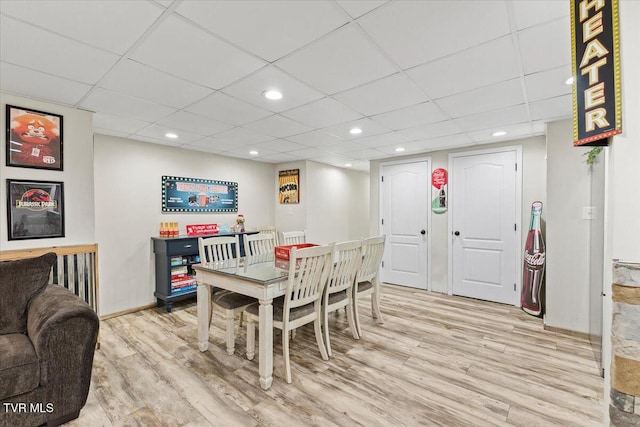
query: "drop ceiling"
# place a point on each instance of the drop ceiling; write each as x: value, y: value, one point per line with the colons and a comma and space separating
x: 417, y: 75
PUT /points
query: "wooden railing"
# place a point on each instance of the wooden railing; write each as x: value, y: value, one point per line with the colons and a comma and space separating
x: 76, y: 268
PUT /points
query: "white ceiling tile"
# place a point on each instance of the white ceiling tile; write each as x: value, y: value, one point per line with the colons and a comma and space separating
x: 110, y: 132
x: 367, y: 154
x: 226, y: 109
x: 155, y: 140
x: 552, y: 108
x: 382, y: 140
x: 251, y: 90
x: 491, y: 62
x: 493, y: 119
x: 389, y: 93
x: 431, y: 130
x: 532, y: 12
x: 33, y: 48
x: 486, y: 98
x: 280, y: 145
x: 521, y: 130
x: 414, y: 32
x: 357, y: 8
x: 183, y: 50
x: 159, y: 132
x: 545, y: 46
x: 368, y: 127
x: 125, y: 125
x: 34, y: 84
x: 308, y: 153
x: 344, y: 147
x: 315, y: 138
x: 90, y: 22
x: 241, y: 136
x: 281, y: 158
x: 215, y: 145
x: 548, y: 84
x: 277, y: 126
x: 322, y: 113
x: 118, y: 104
x: 135, y: 79
x: 446, y: 142
x: 269, y: 29
x: 195, y: 123
x: 419, y: 114
x: 409, y: 148
x: 244, y: 152
x: 337, y: 62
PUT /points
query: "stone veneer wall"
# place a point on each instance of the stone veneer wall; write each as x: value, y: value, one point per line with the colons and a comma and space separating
x: 624, y: 409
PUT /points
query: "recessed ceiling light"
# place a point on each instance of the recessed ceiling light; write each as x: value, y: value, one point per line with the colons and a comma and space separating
x: 355, y: 131
x: 399, y: 150
x: 253, y: 152
x: 348, y: 165
x: 499, y: 133
x: 569, y: 81
x: 171, y: 135
x: 272, y: 94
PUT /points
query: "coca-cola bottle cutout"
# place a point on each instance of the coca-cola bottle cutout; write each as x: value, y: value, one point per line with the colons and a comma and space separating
x: 534, y: 260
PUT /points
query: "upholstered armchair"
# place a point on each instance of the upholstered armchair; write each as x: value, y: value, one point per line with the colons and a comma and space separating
x: 47, y: 340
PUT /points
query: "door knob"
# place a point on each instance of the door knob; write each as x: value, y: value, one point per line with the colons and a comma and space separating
x: 423, y: 232
x: 457, y: 233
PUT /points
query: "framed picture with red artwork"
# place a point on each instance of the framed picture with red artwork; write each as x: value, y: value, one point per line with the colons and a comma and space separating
x: 34, y: 139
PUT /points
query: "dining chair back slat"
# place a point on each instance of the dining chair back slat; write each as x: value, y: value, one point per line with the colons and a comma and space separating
x: 293, y: 237
x: 215, y: 249
x: 259, y: 247
x: 367, y: 280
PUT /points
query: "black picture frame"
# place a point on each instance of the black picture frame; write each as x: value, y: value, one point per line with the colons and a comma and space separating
x: 34, y: 138
x: 35, y: 209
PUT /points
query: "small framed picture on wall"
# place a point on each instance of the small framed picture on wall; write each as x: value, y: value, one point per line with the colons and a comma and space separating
x: 289, y: 186
x: 34, y: 139
x: 35, y: 209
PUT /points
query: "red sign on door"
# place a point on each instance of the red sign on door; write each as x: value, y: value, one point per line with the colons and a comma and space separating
x: 439, y: 178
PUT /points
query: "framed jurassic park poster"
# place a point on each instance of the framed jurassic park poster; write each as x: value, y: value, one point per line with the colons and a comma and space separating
x: 34, y: 139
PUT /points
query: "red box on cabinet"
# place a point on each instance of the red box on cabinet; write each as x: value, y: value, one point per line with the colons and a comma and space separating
x: 283, y: 252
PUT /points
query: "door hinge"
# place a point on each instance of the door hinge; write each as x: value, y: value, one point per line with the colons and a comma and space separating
x: 382, y: 178
x: 514, y: 287
x: 382, y: 221
x: 382, y: 264
x: 516, y: 166
x: 515, y: 227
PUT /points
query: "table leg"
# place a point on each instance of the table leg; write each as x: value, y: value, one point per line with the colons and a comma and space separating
x: 265, y: 358
x: 204, y: 305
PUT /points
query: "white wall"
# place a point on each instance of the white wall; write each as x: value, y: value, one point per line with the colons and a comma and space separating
x: 533, y: 188
x: 77, y: 175
x: 128, y: 209
x: 568, y: 191
x: 338, y: 208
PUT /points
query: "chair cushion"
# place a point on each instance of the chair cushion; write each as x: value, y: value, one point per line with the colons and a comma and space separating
x: 337, y: 297
x: 20, y: 281
x: 232, y: 300
x: 278, y: 310
x: 364, y: 286
x: 19, y: 367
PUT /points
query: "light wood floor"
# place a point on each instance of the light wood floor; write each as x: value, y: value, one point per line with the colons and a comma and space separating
x: 436, y: 361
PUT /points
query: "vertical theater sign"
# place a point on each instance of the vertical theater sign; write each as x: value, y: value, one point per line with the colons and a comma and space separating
x: 597, y: 111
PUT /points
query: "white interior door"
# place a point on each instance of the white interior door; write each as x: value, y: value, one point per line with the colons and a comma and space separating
x: 485, y: 226
x: 405, y: 200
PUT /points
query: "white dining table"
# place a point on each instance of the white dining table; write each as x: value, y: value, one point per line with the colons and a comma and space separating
x: 261, y: 280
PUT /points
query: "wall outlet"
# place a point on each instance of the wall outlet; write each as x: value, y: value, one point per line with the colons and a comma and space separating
x: 589, y: 212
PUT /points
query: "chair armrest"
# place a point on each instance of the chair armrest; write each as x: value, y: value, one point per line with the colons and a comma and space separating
x: 63, y: 330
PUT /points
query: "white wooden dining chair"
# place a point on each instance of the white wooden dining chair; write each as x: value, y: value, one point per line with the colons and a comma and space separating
x: 225, y: 249
x: 259, y: 247
x: 367, y: 281
x: 292, y: 237
x: 269, y: 229
x: 301, y: 303
x: 347, y: 258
